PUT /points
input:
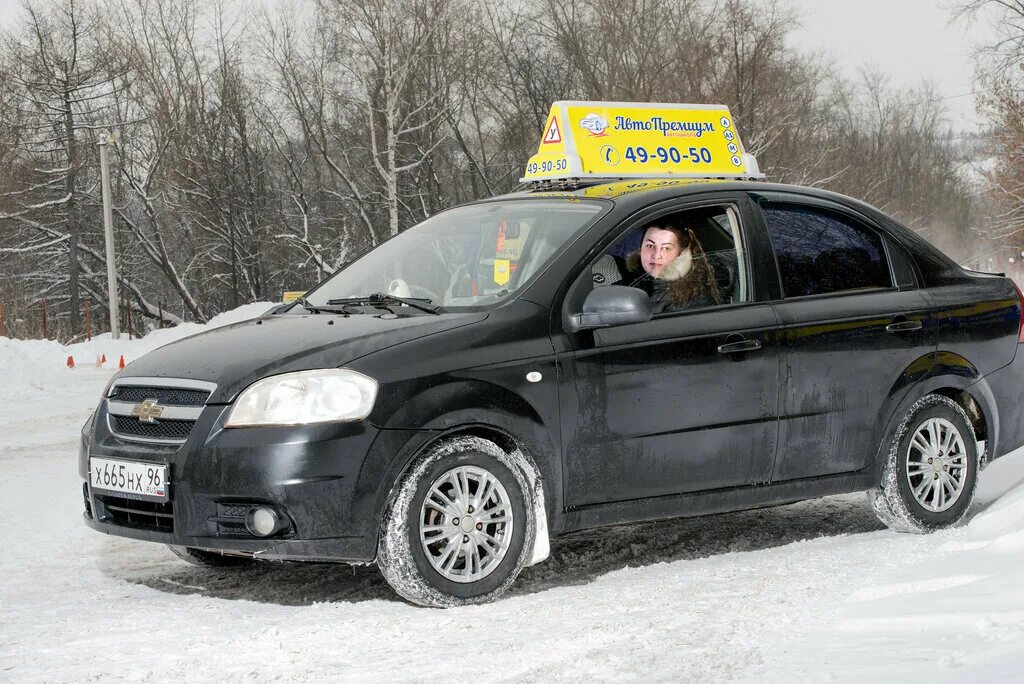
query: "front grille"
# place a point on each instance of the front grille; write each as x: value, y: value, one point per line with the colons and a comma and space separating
x: 166, y: 396
x: 168, y: 430
x: 173, y: 404
x: 143, y: 515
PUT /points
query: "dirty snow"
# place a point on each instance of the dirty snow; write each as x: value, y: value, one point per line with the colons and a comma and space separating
x: 816, y: 591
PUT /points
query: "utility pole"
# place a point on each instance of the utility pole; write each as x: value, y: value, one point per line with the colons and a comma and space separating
x: 108, y: 231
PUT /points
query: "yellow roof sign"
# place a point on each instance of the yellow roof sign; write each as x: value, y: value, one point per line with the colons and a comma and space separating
x: 639, y: 140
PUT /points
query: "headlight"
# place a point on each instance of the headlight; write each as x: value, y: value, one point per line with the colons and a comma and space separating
x: 316, y: 396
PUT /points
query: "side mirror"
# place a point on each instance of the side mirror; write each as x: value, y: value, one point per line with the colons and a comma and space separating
x: 613, y: 305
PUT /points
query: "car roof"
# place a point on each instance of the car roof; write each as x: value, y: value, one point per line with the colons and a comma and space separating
x: 638, y: 193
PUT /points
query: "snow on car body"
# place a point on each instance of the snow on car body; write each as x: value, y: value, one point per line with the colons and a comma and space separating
x: 488, y: 377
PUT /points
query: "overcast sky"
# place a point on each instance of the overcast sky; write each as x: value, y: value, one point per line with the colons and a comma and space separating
x: 908, y: 39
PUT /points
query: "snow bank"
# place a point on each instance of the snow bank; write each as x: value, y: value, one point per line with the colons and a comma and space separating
x: 949, y: 604
x: 32, y: 366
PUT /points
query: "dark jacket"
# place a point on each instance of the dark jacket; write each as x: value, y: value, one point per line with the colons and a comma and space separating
x: 686, y: 282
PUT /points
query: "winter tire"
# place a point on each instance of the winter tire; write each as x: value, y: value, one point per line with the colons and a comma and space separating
x: 209, y: 559
x: 460, y: 525
x: 931, y: 469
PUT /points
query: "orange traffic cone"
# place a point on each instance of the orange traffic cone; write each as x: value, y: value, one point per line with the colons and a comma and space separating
x: 103, y: 358
x: 120, y: 364
x: 71, y: 362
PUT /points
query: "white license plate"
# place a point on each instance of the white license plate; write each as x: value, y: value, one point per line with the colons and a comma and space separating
x: 128, y: 477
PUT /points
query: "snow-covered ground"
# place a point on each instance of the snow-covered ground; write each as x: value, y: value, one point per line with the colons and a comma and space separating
x: 809, y: 592
x: 32, y: 367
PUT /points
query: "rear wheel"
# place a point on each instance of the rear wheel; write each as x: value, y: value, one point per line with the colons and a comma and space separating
x: 460, y: 527
x: 931, y: 470
x: 209, y: 559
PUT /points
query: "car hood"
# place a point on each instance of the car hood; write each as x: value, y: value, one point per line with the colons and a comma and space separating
x: 235, y: 356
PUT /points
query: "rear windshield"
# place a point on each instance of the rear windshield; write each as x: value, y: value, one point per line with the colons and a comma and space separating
x: 471, y: 256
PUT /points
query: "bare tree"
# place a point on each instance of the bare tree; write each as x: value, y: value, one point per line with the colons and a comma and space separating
x: 999, y: 89
x: 394, y: 42
x: 65, y: 81
x: 260, y: 151
x: 193, y: 164
x: 307, y: 113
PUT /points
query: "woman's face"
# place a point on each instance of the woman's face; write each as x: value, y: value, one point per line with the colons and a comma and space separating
x: 659, y: 247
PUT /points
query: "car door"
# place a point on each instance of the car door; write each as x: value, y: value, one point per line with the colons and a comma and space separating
x: 684, y: 402
x: 853, y: 323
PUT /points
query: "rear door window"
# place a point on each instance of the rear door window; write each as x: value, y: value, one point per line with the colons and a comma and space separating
x: 819, y: 251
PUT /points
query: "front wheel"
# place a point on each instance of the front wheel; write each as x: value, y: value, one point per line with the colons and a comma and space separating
x: 460, y: 527
x: 931, y: 470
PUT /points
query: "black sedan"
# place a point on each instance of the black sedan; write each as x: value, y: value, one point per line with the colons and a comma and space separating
x: 559, y: 359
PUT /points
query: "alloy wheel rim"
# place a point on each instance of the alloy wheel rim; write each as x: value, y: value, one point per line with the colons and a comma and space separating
x: 936, y: 465
x: 466, y: 524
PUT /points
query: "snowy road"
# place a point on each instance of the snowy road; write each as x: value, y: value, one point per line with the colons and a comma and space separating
x: 807, y: 592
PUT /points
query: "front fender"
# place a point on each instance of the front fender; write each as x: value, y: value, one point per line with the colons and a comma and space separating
x: 465, y: 406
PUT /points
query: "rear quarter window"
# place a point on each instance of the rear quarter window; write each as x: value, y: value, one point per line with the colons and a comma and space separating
x: 902, y: 267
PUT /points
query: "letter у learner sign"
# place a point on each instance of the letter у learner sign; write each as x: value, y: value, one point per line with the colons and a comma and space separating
x: 639, y: 140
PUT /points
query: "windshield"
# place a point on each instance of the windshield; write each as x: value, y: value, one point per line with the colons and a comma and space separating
x: 476, y: 255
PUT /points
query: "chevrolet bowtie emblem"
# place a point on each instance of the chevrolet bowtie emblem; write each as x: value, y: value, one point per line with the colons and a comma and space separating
x: 148, y: 411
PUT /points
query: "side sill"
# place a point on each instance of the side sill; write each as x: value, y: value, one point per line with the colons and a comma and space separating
x: 717, y: 501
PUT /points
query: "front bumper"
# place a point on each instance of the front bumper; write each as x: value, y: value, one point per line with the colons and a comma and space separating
x: 309, y: 474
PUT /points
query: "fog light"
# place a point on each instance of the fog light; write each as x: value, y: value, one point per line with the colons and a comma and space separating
x: 263, y: 521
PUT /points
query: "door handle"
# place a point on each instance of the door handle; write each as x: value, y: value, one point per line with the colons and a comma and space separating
x: 904, y: 326
x: 739, y: 347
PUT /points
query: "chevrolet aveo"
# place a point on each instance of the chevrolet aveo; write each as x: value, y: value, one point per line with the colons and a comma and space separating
x: 495, y: 375
x: 418, y: 412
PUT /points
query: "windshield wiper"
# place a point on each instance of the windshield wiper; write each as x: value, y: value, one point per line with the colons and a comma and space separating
x: 419, y: 303
x: 323, y: 309
x: 304, y: 303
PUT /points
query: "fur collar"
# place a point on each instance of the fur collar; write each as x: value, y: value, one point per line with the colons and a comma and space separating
x: 677, y: 269
x: 684, y: 282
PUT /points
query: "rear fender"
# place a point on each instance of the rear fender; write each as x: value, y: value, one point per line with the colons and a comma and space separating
x: 939, y: 373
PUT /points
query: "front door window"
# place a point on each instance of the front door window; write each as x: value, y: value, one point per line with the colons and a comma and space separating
x: 684, y: 260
